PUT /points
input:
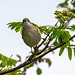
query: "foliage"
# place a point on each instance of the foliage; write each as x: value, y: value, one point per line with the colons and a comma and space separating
x: 16, y: 72
x: 39, y: 71
x: 73, y: 3
x: 64, y: 16
x: 61, y: 51
x: 5, y: 61
x: 58, y: 34
x: 74, y: 51
x: 47, y: 60
x: 15, y: 25
x: 64, y: 4
x: 8, y: 62
x: 73, y: 27
x: 70, y: 53
x: 61, y: 35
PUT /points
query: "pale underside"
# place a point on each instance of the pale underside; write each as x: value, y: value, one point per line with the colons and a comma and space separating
x: 31, y: 35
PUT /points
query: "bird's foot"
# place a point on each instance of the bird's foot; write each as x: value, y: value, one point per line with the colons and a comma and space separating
x: 32, y: 52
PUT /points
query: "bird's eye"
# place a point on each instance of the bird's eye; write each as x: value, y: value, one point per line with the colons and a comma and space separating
x: 28, y: 20
x: 24, y: 21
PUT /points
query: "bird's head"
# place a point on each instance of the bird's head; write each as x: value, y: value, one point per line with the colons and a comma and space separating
x: 26, y: 22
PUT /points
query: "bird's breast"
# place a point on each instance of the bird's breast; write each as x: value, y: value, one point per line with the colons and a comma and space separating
x: 31, y: 36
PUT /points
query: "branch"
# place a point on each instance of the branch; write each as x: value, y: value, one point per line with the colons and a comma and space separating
x: 35, y: 59
x: 44, y: 48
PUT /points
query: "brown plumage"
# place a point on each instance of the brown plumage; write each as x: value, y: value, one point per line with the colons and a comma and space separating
x: 30, y: 33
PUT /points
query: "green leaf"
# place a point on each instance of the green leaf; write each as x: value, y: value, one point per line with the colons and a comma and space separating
x: 71, y: 45
x: 73, y: 3
x: 73, y: 11
x: 35, y: 25
x: 42, y: 28
x: 45, y: 43
x: 64, y: 4
x: 41, y: 60
x: 73, y: 27
x: 15, y: 25
x: 48, y: 61
x: 21, y: 30
x: 74, y: 51
x: 55, y: 33
x: 55, y: 43
x: 70, y: 53
x: 64, y: 37
x: 61, y: 51
x: 39, y: 71
x: 5, y: 61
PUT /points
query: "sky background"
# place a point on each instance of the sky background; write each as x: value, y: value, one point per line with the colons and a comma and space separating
x: 41, y: 12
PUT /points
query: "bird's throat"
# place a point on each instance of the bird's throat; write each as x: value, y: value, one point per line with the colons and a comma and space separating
x: 26, y: 24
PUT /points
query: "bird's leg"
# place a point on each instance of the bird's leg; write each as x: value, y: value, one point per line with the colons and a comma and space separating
x: 43, y: 38
x: 31, y: 51
x: 36, y: 49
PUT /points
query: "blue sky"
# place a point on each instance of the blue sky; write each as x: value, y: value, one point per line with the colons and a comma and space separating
x: 40, y: 12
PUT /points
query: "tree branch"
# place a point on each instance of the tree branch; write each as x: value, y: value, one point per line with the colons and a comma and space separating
x: 44, y: 48
x: 35, y: 59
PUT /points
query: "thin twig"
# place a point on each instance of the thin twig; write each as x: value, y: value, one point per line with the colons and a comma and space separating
x: 44, y: 48
x: 56, y: 24
x: 11, y: 55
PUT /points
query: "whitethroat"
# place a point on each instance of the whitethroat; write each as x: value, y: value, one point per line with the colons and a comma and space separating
x: 30, y: 33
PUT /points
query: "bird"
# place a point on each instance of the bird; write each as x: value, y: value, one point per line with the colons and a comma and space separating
x: 30, y: 33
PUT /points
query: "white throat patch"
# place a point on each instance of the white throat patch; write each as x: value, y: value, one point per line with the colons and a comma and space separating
x: 26, y: 24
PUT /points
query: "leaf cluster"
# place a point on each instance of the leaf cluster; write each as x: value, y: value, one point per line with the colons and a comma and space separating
x: 5, y: 61
x: 15, y: 25
x: 64, y: 16
x: 73, y: 3
x: 60, y: 37
x: 66, y: 3
x: 7, y: 64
